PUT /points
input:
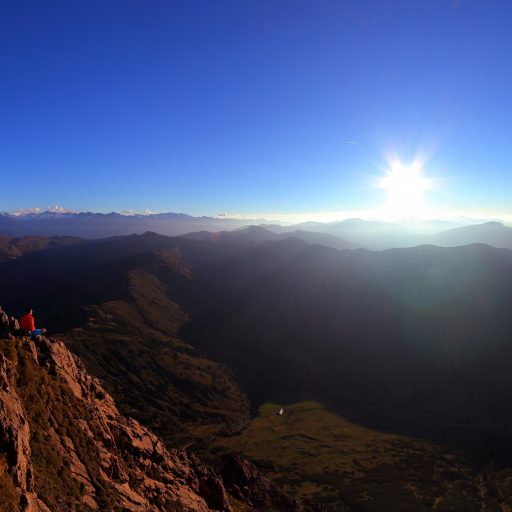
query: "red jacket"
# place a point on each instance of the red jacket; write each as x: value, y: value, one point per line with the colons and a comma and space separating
x: 27, y: 322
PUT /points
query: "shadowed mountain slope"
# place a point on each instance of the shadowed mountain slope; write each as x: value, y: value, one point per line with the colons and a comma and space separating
x: 11, y: 248
x: 113, y: 301
x: 414, y: 338
x: 412, y: 341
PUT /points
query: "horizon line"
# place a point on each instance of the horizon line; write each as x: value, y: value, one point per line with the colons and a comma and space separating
x: 455, y: 215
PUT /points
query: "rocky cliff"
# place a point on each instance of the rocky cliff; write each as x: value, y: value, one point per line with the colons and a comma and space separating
x: 65, y: 446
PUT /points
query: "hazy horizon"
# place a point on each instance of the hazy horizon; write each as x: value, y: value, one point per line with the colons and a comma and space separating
x: 456, y: 218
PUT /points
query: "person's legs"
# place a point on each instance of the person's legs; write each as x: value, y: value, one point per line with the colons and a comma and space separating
x: 37, y: 332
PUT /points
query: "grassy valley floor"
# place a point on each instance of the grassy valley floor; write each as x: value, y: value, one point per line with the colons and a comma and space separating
x: 324, y: 459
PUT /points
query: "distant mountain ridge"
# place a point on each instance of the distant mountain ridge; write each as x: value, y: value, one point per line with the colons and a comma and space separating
x: 254, y: 235
x: 378, y: 235
x: 345, y: 234
x: 491, y: 233
x: 99, y: 225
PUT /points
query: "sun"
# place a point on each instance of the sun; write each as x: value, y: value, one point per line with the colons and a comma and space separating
x: 405, y: 186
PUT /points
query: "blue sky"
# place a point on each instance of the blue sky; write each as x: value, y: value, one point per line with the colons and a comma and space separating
x: 250, y: 107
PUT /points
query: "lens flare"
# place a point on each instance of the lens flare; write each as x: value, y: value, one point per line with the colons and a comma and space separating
x: 405, y: 186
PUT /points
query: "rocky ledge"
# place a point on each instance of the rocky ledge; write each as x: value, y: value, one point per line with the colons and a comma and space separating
x: 65, y: 446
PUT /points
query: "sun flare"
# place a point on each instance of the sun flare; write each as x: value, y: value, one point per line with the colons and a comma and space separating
x: 405, y: 186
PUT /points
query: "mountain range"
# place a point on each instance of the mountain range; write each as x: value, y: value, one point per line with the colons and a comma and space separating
x: 97, y: 225
x: 378, y: 235
x: 354, y: 233
x: 194, y: 336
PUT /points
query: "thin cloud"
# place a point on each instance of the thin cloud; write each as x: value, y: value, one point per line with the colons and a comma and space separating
x: 36, y: 210
x: 59, y: 209
x: 25, y: 211
x: 352, y: 142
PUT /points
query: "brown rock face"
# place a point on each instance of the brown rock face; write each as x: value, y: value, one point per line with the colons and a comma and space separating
x: 15, y: 438
x: 246, y: 483
x: 65, y: 446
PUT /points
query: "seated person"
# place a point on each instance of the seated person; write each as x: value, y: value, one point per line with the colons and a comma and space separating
x: 28, y: 324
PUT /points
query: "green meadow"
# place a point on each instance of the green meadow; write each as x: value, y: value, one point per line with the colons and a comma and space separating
x: 323, y: 458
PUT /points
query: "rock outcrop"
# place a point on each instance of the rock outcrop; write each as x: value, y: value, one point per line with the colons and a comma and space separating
x: 65, y: 446
x: 15, y: 439
x: 247, y: 484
